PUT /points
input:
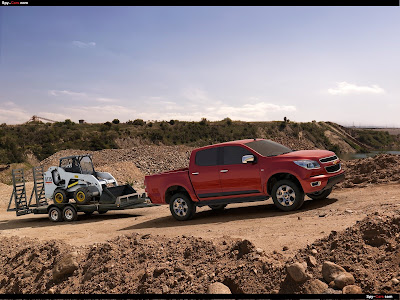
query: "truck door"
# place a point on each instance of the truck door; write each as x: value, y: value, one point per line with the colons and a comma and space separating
x: 237, y: 178
x: 204, y: 174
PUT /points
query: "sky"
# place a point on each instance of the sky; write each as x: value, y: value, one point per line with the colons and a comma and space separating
x: 339, y: 64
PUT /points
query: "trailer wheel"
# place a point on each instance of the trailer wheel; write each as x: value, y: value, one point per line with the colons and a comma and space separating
x: 55, y: 214
x: 181, y: 207
x: 69, y: 213
x: 82, y: 195
x: 287, y: 195
x: 60, y: 196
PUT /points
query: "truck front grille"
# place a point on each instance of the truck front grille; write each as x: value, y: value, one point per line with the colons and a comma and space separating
x: 333, y: 169
x: 328, y: 159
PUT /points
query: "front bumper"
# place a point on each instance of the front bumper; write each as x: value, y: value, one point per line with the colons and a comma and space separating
x: 324, y: 182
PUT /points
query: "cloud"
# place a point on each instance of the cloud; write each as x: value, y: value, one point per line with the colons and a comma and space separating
x: 81, y: 96
x: 11, y: 113
x: 68, y: 93
x: 344, y: 88
x: 80, y: 44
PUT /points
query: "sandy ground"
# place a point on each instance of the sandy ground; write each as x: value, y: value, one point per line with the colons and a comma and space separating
x: 259, y: 222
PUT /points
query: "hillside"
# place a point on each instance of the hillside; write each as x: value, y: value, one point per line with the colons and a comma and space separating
x: 29, y: 143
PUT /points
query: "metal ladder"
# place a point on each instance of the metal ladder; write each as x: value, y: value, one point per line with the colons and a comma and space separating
x: 19, y: 194
x: 38, y: 188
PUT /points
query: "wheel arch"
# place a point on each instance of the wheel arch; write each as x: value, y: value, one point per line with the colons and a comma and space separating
x: 174, y: 189
x: 280, y: 176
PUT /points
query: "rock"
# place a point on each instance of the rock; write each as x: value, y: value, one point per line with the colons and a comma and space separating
x: 314, y: 252
x: 65, y: 266
x: 349, y: 211
x: 315, y: 286
x: 352, y: 289
x: 158, y: 271
x: 394, y: 281
x: 331, y: 270
x: 321, y: 215
x: 218, y: 288
x: 165, y: 289
x: 51, y: 291
x: 344, y: 279
x: 311, y: 261
x: 243, y: 247
x: 285, y: 248
x: 297, y: 272
x: 259, y: 251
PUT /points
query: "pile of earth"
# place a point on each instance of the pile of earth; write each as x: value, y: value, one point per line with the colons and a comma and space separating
x: 368, y: 252
x: 382, y: 168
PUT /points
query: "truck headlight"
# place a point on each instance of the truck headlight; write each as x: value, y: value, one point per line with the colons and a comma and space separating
x: 307, y: 164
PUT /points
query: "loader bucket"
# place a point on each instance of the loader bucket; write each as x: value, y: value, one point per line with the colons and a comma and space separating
x: 117, y: 193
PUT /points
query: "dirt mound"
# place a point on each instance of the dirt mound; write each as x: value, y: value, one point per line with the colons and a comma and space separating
x: 369, y: 253
x: 382, y: 168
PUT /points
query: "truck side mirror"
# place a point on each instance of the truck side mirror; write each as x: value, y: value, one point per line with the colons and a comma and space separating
x: 247, y: 159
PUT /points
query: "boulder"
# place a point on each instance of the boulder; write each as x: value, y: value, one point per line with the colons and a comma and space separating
x: 331, y: 270
x: 65, y: 266
x: 344, y: 279
x: 218, y: 288
x: 352, y: 289
x: 297, y: 272
x: 315, y: 286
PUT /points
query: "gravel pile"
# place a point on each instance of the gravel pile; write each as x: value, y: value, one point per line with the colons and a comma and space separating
x: 382, y: 168
x: 363, y: 258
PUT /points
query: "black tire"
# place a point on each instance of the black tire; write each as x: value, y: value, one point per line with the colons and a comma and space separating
x: 181, y: 207
x: 69, y: 214
x: 82, y: 195
x: 320, y: 195
x: 287, y: 196
x: 101, y: 212
x: 55, y: 214
x: 60, y: 196
x: 218, y: 206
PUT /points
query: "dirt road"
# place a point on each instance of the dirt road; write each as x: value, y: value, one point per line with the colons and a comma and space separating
x: 259, y: 222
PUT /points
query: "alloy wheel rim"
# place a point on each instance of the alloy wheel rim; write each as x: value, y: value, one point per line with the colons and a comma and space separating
x: 285, y: 195
x: 68, y: 214
x: 54, y: 214
x: 180, y: 207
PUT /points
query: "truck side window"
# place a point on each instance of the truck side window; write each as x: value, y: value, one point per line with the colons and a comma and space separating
x: 233, y: 154
x: 208, y: 157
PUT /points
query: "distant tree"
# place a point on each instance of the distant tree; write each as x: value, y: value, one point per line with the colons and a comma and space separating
x: 171, y: 122
x: 108, y: 124
x: 203, y: 121
x: 139, y: 122
x: 228, y: 121
x: 68, y: 122
x: 285, y: 119
x: 115, y: 121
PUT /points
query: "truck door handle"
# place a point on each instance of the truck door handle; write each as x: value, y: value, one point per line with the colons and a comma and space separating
x: 195, y: 173
x: 224, y: 171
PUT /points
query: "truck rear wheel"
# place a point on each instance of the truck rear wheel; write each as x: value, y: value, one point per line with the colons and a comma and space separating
x: 69, y: 213
x: 55, y: 214
x: 181, y: 207
x: 60, y: 196
x: 287, y: 195
x: 320, y: 195
x: 82, y: 195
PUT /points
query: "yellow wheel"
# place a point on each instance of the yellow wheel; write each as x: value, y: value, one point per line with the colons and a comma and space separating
x: 82, y: 195
x: 60, y: 197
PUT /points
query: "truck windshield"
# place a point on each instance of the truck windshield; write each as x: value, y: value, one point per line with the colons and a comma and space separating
x: 268, y: 148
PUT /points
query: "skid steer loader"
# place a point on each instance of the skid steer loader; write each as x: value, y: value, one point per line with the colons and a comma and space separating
x: 76, y: 178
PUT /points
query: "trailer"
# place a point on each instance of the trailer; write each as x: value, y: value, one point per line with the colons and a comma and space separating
x: 113, y: 198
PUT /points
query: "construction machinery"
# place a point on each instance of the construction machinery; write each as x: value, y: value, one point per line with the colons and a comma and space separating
x: 74, y: 179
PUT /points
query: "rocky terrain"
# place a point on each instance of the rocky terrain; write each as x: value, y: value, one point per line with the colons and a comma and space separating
x: 364, y: 258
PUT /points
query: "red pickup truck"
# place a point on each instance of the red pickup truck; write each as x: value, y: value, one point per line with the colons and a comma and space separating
x: 244, y: 171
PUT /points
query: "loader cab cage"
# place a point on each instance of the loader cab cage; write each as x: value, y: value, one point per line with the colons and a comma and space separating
x: 81, y: 164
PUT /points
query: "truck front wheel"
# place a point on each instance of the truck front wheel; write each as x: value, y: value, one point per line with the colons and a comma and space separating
x: 181, y: 207
x: 287, y: 195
